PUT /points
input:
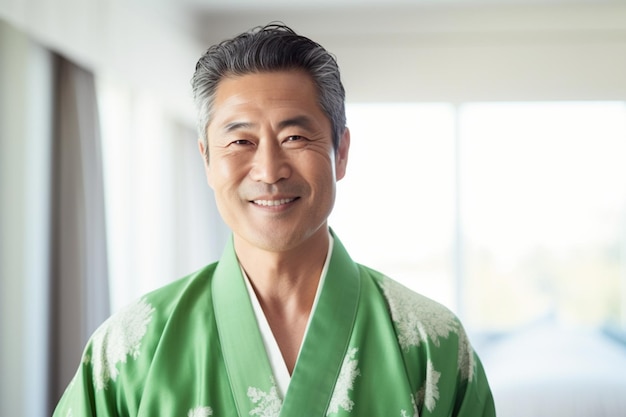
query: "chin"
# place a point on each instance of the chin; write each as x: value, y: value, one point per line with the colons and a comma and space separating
x: 275, y: 241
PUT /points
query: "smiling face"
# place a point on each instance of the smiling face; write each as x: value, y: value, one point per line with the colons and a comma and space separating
x: 271, y: 161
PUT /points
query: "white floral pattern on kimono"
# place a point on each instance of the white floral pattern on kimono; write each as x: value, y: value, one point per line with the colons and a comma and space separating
x: 345, y: 383
x: 268, y: 404
x: 200, y: 412
x: 119, y: 337
x: 467, y: 360
x: 429, y: 393
x: 415, y: 317
x: 416, y: 320
x: 403, y: 413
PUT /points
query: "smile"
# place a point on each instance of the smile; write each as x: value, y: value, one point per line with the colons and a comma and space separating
x: 270, y: 203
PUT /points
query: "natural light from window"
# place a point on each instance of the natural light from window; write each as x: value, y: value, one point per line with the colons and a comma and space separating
x: 507, y: 213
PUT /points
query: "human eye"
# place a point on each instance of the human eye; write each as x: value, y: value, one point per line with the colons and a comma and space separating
x: 240, y: 142
x: 295, y: 138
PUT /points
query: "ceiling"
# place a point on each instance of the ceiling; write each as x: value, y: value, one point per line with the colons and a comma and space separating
x: 249, y: 6
x: 430, y: 50
x: 212, y: 20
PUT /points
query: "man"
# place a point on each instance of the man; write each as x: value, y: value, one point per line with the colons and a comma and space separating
x: 285, y: 323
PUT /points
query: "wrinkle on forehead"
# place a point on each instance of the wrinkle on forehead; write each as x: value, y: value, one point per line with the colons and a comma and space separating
x: 291, y: 94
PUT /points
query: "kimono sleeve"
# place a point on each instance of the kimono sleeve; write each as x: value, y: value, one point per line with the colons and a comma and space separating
x: 442, y: 365
x: 111, y: 372
x: 477, y: 399
x: 81, y: 398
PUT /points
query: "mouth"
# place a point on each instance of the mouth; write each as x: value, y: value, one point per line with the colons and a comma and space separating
x: 274, y: 203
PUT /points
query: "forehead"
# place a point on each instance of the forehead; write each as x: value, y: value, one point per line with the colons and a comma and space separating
x: 294, y: 78
x: 264, y: 91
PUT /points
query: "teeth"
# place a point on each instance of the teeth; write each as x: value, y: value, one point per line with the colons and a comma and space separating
x: 273, y: 202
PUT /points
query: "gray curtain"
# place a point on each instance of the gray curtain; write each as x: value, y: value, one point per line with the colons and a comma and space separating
x: 79, y: 286
x: 53, y: 262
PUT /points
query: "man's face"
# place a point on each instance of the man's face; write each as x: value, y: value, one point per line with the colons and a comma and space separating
x: 271, y: 159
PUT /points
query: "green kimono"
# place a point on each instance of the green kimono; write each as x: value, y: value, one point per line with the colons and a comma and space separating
x: 194, y: 349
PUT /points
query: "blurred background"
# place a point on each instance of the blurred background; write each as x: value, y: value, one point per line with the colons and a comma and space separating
x: 487, y: 171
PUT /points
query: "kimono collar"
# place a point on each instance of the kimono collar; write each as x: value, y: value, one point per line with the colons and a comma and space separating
x: 326, y: 341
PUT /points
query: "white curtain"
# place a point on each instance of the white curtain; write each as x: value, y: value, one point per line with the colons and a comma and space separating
x: 162, y: 222
x: 25, y: 145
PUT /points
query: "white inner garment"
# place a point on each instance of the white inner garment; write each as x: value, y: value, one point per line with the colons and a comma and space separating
x: 279, y: 368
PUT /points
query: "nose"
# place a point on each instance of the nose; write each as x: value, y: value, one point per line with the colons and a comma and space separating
x: 270, y: 164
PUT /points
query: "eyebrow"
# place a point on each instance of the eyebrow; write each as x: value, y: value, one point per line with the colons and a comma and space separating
x: 230, y: 127
x: 298, y: 121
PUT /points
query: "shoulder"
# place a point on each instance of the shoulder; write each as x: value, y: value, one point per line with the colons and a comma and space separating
x: 427, y: 319
x: 435, y: 347
x: 422, y: 323
x: 131, y: 334
x: 187, y: 289
x: 158, y: 305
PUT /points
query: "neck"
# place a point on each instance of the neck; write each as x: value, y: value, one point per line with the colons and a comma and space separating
x: 285, y: 277
x: 285, y: 283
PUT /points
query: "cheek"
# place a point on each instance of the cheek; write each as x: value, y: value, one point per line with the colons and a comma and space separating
x: 321, y: 175
x: 209, y: 175
x: 223, y: 171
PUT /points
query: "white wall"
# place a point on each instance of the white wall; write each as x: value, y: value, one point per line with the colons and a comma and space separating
x: 555, y: 51
x: 115, y: 38
x: 24, y: 203
x: 435, y: 52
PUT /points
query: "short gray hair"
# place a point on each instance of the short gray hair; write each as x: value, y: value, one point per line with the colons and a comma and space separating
x: 273, y: 47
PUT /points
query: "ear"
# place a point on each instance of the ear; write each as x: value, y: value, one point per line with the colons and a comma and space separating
x: 205, y: 159
x: 341, y: 156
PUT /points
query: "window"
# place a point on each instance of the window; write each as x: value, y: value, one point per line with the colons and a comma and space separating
x: 395, y: 208
x: 162, y: 222
x: 543, y: 197
x: 505, y: 212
